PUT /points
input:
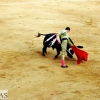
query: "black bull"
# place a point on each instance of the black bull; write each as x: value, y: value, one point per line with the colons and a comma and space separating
x: 56, y: 45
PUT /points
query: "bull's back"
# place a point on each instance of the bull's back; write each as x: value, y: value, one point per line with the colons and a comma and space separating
x: 45, y: 42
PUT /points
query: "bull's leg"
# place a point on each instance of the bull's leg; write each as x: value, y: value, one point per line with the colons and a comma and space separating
x: 58, y: 52
x: 44, y: 50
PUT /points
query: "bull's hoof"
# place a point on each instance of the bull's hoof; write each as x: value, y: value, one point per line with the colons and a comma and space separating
x: 56, y: 57
x: 43, y: 55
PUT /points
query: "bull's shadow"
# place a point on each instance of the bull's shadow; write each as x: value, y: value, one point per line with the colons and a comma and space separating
x: 47, y: 44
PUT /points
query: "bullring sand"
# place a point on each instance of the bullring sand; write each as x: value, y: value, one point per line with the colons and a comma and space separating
x: 25, y: 73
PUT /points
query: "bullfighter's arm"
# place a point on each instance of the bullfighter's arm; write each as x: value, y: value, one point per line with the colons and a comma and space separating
x: 58, y: 37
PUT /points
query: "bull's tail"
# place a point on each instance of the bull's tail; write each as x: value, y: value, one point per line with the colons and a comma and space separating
x: 39, y: 34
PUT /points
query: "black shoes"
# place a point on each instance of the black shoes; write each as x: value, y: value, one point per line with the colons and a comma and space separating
x: 64, y: 66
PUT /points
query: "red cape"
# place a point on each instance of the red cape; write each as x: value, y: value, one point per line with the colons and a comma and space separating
x: 81, y: 55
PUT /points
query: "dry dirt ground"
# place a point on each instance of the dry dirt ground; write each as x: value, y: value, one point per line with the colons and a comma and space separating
x: 25, y: 73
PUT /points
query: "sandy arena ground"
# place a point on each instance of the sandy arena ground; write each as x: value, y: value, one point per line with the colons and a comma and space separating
x: 25, y: 73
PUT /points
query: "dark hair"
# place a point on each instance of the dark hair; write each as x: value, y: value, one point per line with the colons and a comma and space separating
x: 67, y: 28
